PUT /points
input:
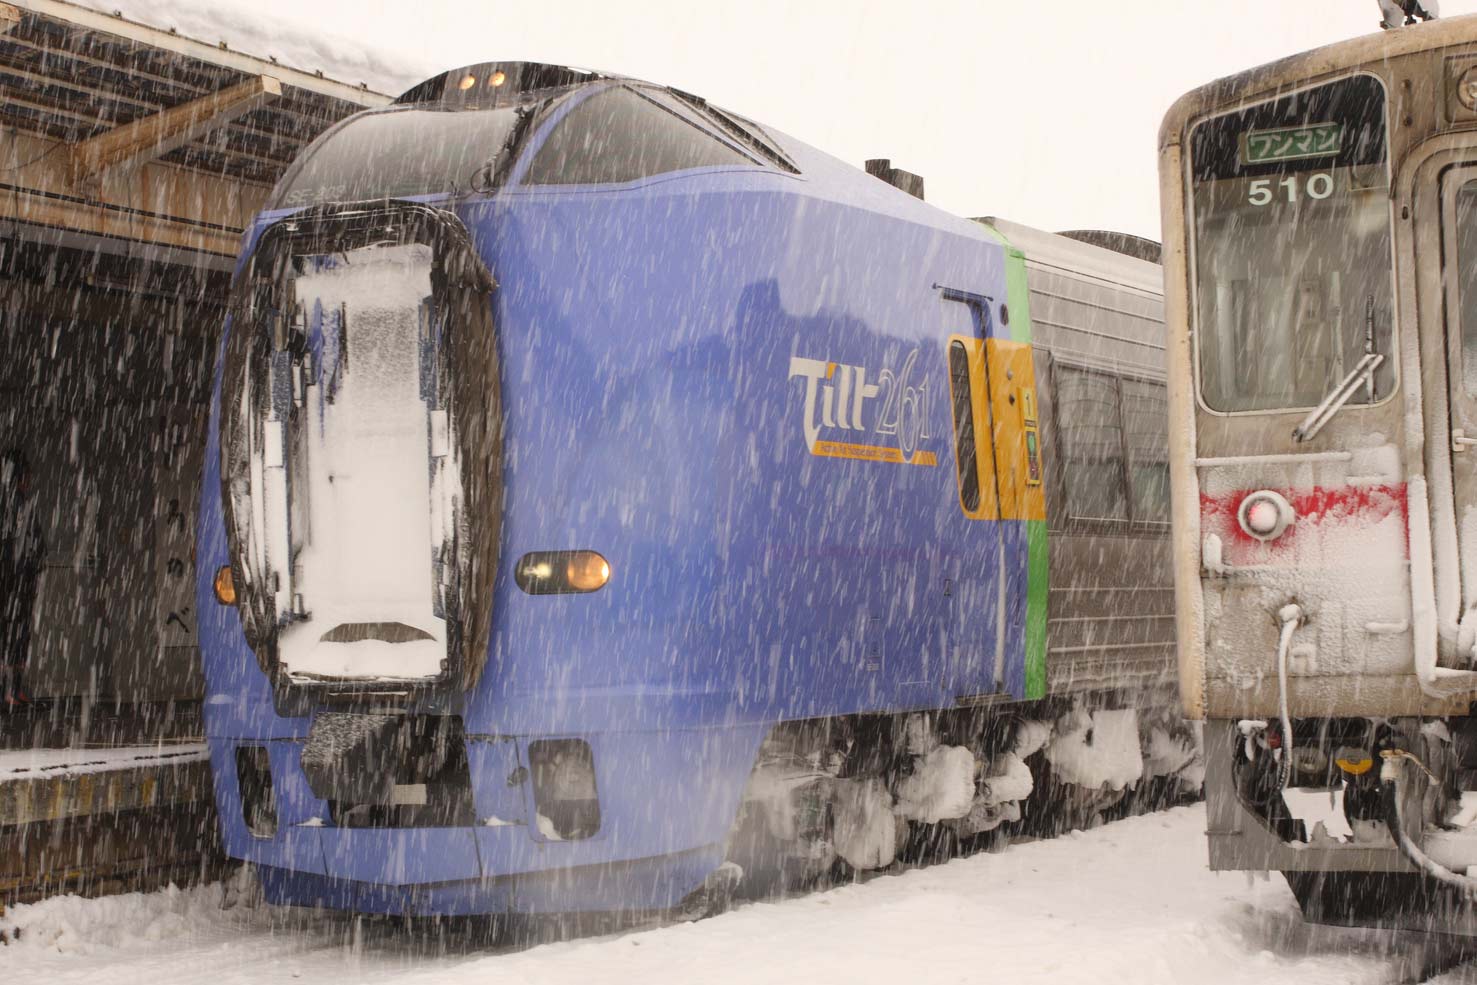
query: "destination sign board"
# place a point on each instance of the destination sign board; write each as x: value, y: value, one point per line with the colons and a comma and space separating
x: 1291, y: 143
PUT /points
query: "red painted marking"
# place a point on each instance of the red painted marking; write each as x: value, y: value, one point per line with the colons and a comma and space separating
x: 1342, y: 505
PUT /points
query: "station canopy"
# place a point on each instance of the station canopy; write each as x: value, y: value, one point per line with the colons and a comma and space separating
x: 125, y: 132
x: 136, y: 145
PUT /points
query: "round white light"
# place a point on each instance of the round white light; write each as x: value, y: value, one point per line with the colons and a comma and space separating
x: 1265, y: 514
x: 1262, y: 517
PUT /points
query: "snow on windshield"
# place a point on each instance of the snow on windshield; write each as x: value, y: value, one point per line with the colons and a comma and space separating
x: 362, y: 477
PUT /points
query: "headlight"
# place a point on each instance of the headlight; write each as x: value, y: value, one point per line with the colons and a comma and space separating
x: 1265, y: 514
x: 225, y: 586
x: 561, y: 572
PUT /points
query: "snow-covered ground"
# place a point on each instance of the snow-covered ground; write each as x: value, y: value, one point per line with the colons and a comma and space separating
x: 1129, y: 902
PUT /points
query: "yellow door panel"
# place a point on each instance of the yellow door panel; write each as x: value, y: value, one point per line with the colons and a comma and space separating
x: 1011, y: 372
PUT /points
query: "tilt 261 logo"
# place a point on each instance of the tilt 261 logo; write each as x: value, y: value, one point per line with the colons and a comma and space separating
x: 883, y: 421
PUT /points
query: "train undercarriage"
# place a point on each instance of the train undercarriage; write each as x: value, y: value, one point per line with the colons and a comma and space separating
x: 1373, y: 822
x: 827, y: 799
x: 839, y: 796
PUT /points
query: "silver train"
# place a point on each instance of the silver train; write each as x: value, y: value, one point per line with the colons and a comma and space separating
x: 1320, y: 225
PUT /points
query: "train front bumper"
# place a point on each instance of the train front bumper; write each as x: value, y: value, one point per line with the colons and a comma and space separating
x: 667, y: 801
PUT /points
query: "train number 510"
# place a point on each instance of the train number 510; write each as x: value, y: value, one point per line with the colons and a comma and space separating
x: 1317, y: 186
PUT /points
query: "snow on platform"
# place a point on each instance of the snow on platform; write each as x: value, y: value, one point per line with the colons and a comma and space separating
x: 1130, y: 902
x: 39, y: 785
x: 30, y: 764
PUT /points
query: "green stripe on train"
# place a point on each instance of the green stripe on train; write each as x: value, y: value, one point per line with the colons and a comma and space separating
x: 1036, y: 589
x: 1016, y: 296
x: 1017, y: 299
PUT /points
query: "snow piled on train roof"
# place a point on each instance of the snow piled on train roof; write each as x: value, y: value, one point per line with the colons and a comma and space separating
x: 245, y: 31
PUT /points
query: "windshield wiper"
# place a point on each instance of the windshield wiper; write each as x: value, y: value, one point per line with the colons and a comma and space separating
x: 1337, y: 397
x: 490, y: 175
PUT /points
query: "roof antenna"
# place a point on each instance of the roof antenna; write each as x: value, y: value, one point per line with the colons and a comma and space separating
x: 1398, y: 13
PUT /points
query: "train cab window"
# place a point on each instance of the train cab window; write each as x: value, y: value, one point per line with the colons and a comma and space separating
x: 1090, y: 437
x: 397, y: 153
x: 1292, y: 248
x: 1145, y: 430
x: 621, y: 135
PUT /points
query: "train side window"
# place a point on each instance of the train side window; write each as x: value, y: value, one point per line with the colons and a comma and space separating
x: 1090, y: 430
x: 1466, y: 237
x: 1146, y: 431
x: 620, y: 135
x: 965, y: 453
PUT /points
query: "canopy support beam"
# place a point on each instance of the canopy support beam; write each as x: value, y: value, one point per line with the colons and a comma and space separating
x: 154, y: 136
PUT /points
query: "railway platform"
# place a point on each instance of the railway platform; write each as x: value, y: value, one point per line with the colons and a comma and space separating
x: 103, y: 803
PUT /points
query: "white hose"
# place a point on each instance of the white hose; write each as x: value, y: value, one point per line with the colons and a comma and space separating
x: 1290, y: 614
x: 1391, y: 783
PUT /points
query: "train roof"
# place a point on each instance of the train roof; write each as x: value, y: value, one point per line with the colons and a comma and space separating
x: 1308, y: 66
x: 1076, y: 258
x: 825, y: 176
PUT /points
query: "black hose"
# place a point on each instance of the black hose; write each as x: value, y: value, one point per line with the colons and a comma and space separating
x: 1390, y: 795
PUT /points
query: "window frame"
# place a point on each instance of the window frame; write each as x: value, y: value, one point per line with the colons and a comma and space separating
x: 738, y: 128
x: 981, y: 424
x: 1192, y: 265
x: 1128, y: 457
x: 1062, y: 518
x: 315, y: 147
x: 558, y: 114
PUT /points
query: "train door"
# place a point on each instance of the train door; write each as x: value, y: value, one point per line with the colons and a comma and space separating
x: 978, y: 640
x: 974, y: 578
x: 998, y: 462
x: 1459, y: 285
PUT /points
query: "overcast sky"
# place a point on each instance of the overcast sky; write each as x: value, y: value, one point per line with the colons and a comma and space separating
x: 1044, y: 113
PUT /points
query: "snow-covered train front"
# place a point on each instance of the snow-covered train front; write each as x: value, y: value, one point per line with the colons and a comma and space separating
x: 602, y: 489
x: 1320, y: 247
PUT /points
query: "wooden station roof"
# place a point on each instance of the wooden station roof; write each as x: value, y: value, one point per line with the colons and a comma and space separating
x: 121, y: 130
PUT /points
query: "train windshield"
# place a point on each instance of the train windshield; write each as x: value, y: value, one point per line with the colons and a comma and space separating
x: 360, y: 381
x: 1292, y: 249
x: 397, y: 153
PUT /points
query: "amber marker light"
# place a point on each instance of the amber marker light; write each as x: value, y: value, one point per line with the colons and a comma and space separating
x: 225, y: 586
x: 497, y: 78
x: 467, y: 82
x: 586, y: 571
x: 561, y: 572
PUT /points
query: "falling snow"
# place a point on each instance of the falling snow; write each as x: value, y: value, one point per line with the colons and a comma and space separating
x: 623, y: 542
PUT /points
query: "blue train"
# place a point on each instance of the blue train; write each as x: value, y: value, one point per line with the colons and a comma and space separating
x: 608, y: 498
